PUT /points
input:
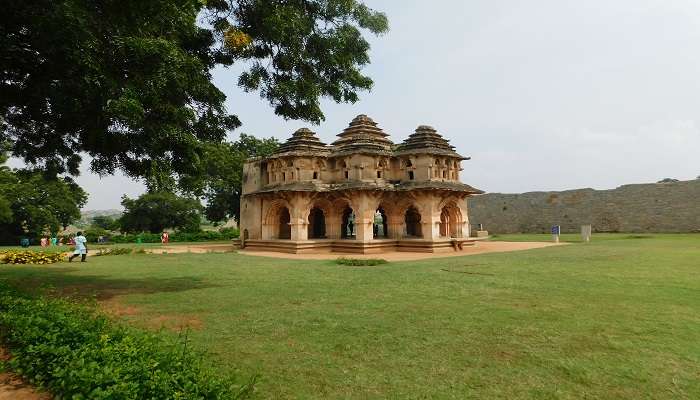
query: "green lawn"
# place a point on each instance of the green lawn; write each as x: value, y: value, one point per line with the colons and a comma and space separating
x: 576, y: 237
x: 95, y: 246
x: 615, y: 318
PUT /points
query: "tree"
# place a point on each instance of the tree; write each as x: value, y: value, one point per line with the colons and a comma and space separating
x: 668, y: 180
x: 37, y: 205
x: 5, y: 175
x: 221, y: 179
x: 129, y: 82
x: 105, y: 222
x: 154, y: 212
x: 5, y: 211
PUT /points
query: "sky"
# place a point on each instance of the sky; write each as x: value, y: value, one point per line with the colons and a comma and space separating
x: 542, y: 94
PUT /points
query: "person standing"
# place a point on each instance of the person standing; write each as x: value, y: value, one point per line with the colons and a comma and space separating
x: 80, y: 247
x: 164, y: 238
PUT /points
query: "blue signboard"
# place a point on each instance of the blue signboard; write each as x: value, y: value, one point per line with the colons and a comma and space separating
x: 556, y: 230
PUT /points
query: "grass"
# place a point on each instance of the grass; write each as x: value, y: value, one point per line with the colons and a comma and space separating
x: 95, y: 246
x: 615, y: 318
x: 576, y: 238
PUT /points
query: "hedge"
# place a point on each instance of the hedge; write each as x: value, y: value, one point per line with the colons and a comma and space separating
x: 359, y: 262
x: 203, y: 236
x: 75, y: 352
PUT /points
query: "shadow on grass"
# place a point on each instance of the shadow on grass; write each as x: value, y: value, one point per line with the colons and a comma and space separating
x: 60, y: 282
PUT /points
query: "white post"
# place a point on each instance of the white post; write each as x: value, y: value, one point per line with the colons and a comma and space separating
x: 586, y: 232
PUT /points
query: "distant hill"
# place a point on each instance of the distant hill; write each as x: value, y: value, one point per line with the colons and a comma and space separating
x: 86, y: 216
x: 667, y: 206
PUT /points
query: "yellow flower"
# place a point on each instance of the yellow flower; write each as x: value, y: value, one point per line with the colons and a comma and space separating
x: 236, y: 39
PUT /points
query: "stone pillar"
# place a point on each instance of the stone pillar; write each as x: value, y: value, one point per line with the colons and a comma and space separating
x: 365, y: 205
x: 300, y: 207
x: 430, y: 217
x: 267, y: 231
x: 431, y: 226
x: 396, y: 225
x: 300, y: 230
x: 466, y: 228
x: 333, y: 223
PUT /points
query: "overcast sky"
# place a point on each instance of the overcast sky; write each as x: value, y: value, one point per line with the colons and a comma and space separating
x: 542, y: 94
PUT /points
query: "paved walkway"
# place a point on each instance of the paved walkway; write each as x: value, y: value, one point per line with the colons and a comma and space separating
x: 478, y: 248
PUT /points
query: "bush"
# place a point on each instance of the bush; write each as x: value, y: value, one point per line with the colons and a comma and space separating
x: 75, y: 352
x: 29, y: 257
x: 114, y: 251
x: 92, y: 234
x: 202, y: 236
x: 356, y: 262
x: 230, y: 233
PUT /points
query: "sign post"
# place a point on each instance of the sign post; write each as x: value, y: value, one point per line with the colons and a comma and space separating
x: 586, y: 231
x: 556, y: 231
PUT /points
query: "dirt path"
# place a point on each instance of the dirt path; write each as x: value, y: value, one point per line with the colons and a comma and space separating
x: 478, y: 248
x: 13, y: 388
x: 191, y: 248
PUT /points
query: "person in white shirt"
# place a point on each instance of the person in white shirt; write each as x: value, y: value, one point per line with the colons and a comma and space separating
x: 80, y: 248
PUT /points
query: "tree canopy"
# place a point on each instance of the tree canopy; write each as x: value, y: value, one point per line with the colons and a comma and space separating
x: 155, y: 211
x: 105, y: 222
x: 221, y: 180
x: 129, y: 81
x: 32, y: 204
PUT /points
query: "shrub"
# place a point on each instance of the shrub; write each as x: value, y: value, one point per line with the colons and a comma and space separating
x: 93, y: 234
x: 202, y: 236
x: 357, y: 262
x: 75, y: 352
x: 230, y: 233
x: 114, y: 251
x: 29, y: 257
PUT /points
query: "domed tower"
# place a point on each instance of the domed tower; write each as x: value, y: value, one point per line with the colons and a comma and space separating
x: 426, y: 156
x: 302, y: 158
x: 362, y: 152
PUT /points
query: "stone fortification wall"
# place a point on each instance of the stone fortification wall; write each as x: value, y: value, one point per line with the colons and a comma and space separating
x: 656, y: 207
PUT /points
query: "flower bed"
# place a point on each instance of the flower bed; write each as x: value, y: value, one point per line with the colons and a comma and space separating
x: 29, y: 257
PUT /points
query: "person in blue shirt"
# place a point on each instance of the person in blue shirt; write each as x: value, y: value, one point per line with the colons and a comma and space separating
x: 80, y: 248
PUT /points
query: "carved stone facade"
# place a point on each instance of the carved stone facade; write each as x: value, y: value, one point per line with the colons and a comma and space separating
x: 361, y: 194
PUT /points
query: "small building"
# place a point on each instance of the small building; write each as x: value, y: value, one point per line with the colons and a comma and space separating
x: 361, y: 194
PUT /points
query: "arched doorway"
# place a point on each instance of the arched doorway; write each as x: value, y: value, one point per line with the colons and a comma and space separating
x: 451, y: 221
x: 444, y: 223
x: 285, y: 230
x: 380, y: 225
x: 347, y: 227
x: 413, y: 226
x: 317, y: 224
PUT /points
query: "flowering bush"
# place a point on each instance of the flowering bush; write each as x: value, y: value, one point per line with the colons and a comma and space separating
x: 29, y: 257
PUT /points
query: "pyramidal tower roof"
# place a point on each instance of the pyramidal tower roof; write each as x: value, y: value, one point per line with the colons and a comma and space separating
x: 426, y: 140
x: 303, y: 143
x: 362, y: 136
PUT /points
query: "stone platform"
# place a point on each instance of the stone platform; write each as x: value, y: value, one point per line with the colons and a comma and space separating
x: 349, y: 246
x: 480, y: 247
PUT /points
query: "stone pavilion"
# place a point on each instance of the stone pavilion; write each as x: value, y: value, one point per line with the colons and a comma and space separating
x: 361, y: 194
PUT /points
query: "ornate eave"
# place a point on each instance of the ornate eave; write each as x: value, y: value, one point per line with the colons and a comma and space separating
x: 369, y: 186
